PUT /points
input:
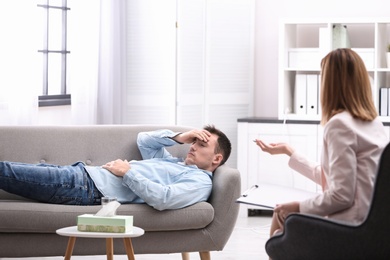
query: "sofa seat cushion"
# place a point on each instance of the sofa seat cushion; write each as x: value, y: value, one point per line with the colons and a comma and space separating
x: 34, y: 217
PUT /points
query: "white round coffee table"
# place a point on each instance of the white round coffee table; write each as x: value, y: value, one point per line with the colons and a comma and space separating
x: 73, y: 233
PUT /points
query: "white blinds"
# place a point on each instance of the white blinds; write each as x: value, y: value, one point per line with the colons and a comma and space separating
x: 151, y: 62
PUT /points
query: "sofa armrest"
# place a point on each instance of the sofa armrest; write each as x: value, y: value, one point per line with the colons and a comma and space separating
x: 226, y: 189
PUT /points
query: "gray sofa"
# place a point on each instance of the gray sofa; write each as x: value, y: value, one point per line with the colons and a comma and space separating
x: 28, y: 228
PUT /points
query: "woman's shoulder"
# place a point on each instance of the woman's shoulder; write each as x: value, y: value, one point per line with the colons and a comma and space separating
x: 340, y: 119
x: 342, y: 123
x: 342, y: 115
x: 345, y: 122
x: 345, y: 118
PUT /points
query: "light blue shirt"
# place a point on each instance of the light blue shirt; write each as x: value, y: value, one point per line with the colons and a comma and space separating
x: 160, y: 180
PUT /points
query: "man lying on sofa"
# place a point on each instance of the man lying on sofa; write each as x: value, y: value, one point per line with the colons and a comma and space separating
x: 160, y: 180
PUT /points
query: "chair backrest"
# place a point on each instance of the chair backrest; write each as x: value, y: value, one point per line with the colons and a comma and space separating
x: 312, y: 237
x: 377, y: 219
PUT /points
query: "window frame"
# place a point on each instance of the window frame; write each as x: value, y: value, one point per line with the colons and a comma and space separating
x: 62, y: 98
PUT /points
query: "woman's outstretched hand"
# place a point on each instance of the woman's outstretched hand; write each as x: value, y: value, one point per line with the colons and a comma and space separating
x: 275, y: 148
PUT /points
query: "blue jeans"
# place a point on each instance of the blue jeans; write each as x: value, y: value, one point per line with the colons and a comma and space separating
x: 69, y: 185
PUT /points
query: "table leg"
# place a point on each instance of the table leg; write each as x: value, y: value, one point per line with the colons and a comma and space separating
x: 69, y: 248
x: 110, y: 248
x: 129, y: 248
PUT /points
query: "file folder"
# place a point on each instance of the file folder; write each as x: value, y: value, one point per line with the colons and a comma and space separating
x: 312, y: 94
x: 388, y: 100
x: 300, y: 94
x: 383, y: 102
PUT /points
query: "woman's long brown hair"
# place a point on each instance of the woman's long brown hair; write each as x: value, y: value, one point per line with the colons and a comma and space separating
x: 345, y: 86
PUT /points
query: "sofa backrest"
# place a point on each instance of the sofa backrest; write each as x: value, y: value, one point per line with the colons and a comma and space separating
x: 94, y: 145
x: 63, y: 145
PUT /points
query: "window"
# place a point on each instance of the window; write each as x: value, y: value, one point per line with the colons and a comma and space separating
x: 54, y: 53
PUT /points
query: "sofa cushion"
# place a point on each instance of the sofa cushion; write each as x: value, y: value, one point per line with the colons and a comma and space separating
x: 34, y: 217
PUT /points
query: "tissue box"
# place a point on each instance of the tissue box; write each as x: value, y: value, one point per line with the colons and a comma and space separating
x: 114, y: 224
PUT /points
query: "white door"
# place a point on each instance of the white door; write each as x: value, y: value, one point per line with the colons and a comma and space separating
x: 190, y: 62
x: 215, y: 64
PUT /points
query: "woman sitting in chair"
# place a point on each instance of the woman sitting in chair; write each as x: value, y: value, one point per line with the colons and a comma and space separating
x: 353, y: 141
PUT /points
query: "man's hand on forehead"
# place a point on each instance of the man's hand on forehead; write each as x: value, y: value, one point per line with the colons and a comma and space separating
x: 203, y: 136
x: 192, y: 136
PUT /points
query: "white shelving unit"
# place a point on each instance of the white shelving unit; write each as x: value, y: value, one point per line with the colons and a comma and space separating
x: 303, y: 43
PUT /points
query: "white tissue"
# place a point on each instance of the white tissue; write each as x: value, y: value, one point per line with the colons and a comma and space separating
x: 108, y: 210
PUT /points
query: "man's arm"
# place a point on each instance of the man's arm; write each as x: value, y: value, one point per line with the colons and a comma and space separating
x: 152, y: 144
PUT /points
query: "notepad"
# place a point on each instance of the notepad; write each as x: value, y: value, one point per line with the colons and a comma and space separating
x: 269, y: 195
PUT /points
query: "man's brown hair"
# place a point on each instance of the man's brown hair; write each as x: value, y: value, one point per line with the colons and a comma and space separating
x: 224, y: 146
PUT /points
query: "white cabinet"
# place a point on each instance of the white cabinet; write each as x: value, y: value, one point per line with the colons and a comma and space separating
x: 303, y: 43
x: 257, y: 166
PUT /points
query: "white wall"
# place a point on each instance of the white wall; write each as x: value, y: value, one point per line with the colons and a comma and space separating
x: 57, y: 115
x: 268, y: 14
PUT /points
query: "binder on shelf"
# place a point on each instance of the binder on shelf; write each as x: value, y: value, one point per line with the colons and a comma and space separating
x: 312, y: 94
x: 388, y: 102
x: 269, y: 195
x: 319, y: 95
x: 383, y: 101
x: 300, y: 94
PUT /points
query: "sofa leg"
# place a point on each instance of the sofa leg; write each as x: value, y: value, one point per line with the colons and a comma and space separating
x: 205, y: 255
x: 185, y: 256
